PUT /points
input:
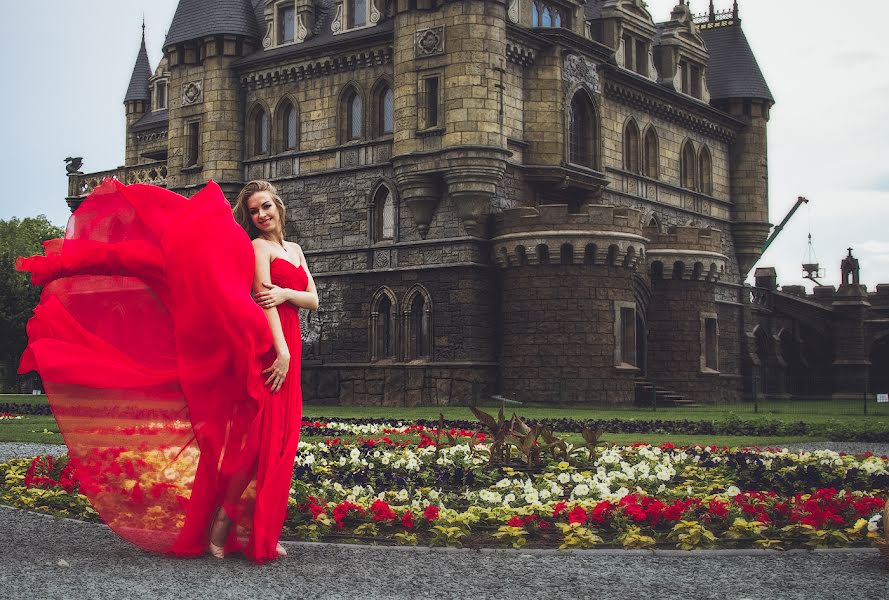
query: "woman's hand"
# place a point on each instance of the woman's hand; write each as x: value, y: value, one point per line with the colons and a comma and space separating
x: 273, y: 296
x: 277, y: 372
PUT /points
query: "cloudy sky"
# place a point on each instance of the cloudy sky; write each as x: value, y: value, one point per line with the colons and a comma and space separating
x: 67, y: 67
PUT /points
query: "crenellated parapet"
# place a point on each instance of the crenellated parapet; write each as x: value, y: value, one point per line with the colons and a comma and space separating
x: 549, y: 234
x: 685, y: 252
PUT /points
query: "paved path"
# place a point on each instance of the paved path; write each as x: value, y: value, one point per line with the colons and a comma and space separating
x: 99, y: 565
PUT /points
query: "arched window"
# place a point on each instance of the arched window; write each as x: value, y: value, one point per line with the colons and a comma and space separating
x: 687, y: 166
x: 705, y: 171
x: 535, y: 15
x: 383, y: 215
x: 651, y: 154
x: 289, y: 127
x: 352, y: 115
x: 582, y: 132
x: 383, y: 325
x: 384, y: 100
x: 418, y: 324
x: 260, y: 125
x: 547, y: 20
x: 631, y: 147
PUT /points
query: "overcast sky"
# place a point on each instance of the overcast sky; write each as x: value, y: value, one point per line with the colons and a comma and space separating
x: 67, y: 66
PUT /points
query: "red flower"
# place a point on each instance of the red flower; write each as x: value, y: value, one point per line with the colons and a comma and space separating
x: 543, y: 525
x: 578, y: 515
x: 560, y: 508
x: 718, y: 509
x: 600, y: 512
x: 431, y: 513
x: 516, y: 521
x: 408, y: 520
x: 381, y: 511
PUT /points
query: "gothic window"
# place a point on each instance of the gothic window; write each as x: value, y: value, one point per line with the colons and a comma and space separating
x: 418, y: 324
x: 650, y: 157
x: 260, y: 130
x: 383, y: 217
x: 430, y: 101
x: 582, y: 132
x: 547, y: 20
x: 286, y: 24
x: 384, y: 107
x: 705, y: 171
x: 192, y: 143
x: 356, y: 13
x: 709, y: 342
x: 631, y: 147
x: 291, y: 125
x: 383, y: 325
x: 687, y: 166
x: 535, y: 15
x: 352, y: 115
x: 546, y: 15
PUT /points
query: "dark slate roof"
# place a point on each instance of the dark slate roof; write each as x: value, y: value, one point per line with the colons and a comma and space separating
x: 198, y: 18
x: 153, y: 120
x: 138, y: 88
x: 733, y: 71
x: 593, y: 9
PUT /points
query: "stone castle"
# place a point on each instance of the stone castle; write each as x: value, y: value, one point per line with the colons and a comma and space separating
x: 556, y: 201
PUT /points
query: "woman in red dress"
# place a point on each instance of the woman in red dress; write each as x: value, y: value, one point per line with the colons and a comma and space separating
x: 151, y: 350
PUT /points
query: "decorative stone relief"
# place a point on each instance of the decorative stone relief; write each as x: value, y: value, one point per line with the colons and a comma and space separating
x: 192, y: 92
x: 337, y: 25
x: 268, y: 39
x: 310, y: 325
x: 430, y: 42
x: 349, y: 158
x: 578, y: 69
x: 382, y: 259
x: 513, y: 12
x: 375, y: 15
x: 301, y: 30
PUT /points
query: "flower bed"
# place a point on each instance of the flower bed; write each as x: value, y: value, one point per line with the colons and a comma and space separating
x: 407, y: 483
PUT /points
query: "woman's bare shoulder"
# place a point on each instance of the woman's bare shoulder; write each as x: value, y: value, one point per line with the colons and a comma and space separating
x: 261, y: 246
x: 295, y: 246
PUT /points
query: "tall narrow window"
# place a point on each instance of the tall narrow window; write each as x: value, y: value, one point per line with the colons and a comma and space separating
x: 431, y: 97
x: 557, y: 18
x: 631, y: 147
x: 547, y: 20
x: 261, y: 133
x: 687, y: 166
x: 193, y: 144
x: 387, y: 344
x: 383, y: 215
x: 387, y: 111
x: 291, y: 128
x: 695, y: 83
x: 419, y: 328
x: 356, y: 13
x: 651, y: 154
x: 627, y: 332
x: 535, y: 15
x: 160, y: 95
x: 709, y: 342
x: 628, y: 52
x: 683, y: 73
x: 641, y: 58
x: 582, y: 140
x: 705, y: 171
x: 356, y: 116
x: 286, y: 20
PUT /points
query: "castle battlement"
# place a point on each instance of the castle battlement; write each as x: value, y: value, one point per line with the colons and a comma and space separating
x: 549, y: 217
x: 704, y: 239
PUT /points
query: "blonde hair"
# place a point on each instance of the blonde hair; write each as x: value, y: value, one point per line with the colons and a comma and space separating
x: 241, y: 211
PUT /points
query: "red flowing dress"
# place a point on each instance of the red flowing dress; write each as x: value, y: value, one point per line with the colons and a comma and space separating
x: 151, y: 349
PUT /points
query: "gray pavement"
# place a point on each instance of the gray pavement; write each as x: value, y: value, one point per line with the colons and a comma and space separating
x: 42, y: 557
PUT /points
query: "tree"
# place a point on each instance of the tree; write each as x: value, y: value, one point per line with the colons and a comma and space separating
x: 23, y: 237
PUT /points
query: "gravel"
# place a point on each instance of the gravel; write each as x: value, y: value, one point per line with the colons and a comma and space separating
x: 10, y: 450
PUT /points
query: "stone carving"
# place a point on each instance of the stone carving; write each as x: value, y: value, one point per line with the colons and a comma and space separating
x: 267, y: 40
x: 337, y: 25
x: 513, y: 12
x: 349, y: 158
x: 430, y: 42
x: 192, y: 92
x: 382, y: 259
x: 578, y: 69
x: 374, y: 13
x: 310, y: 325
x: 302, y: 31
x: 73, y: 164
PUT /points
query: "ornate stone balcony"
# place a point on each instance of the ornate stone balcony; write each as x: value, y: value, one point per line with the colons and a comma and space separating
x: 81, y: 184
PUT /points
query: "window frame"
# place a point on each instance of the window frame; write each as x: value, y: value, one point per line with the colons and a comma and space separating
x: 709, y: 336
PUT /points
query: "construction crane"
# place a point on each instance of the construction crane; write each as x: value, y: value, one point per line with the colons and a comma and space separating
x: 799, y: 202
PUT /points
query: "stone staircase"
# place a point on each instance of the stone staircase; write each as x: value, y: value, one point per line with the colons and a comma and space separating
x: 665, y: 398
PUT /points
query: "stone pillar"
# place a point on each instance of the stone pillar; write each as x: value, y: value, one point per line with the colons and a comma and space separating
x: 850, y: 307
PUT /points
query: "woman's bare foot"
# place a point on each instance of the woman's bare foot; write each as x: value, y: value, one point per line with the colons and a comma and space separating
x: 218, y: 534
x: 281, y: 551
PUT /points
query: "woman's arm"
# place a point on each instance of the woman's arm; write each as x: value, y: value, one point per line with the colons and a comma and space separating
x: 278, y: 371
x: 272, y: 295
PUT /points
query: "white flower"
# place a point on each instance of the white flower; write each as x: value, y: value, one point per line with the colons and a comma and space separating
x: 532, y: 497
x: 503, y: 483
x: 582, y: 490
x: 508, y: 499
x: 563, y: 478
x: 355, y: 454
x: 545, y: 494
x: 872, y: 524
x: 732, y: 491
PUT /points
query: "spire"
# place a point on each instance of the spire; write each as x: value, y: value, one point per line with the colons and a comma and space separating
x: 196, y: 19
x: 138, y: 88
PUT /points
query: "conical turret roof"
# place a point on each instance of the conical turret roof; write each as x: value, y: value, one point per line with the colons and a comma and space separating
x: 195, y: 19
x: 138, y: 88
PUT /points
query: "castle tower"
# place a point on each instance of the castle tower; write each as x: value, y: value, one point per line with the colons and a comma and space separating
x: 205, y: 120
x: 571, y: 303
x: 137, y: 101
x: 850, y: 309
x: 684, y: 324
x: 742, y: 92
x: 449, y: 135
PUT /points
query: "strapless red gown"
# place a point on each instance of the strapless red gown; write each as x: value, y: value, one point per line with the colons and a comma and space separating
x: 151, y: 348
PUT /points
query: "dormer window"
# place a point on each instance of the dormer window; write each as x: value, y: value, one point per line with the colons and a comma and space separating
x: 286, y: 24
x: 546, y: 15
x: 356, y: 13
x: 635, y: 54
x: 160, y: 94
x: 690, y: 74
